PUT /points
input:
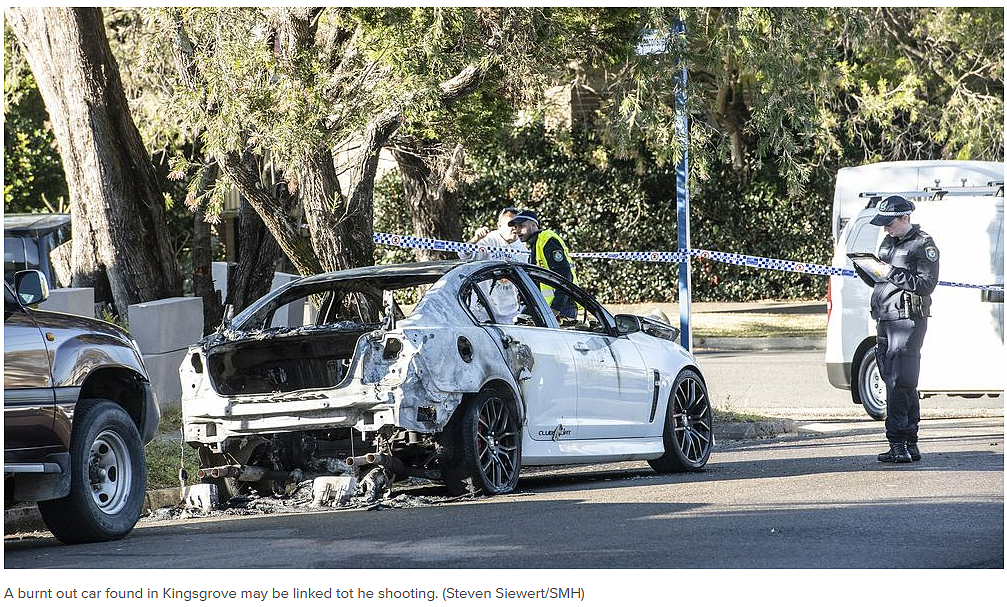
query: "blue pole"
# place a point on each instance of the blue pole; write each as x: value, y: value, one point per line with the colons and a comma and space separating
x: 682, y: 192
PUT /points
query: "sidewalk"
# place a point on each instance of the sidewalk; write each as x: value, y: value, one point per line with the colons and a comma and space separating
x: 746, y: 325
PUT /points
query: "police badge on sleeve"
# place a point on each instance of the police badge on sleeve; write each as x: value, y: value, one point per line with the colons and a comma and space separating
x: 558, y: 255
x: 931, y: 253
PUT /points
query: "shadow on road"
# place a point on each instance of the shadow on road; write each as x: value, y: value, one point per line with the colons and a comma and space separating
x: 509, y: 533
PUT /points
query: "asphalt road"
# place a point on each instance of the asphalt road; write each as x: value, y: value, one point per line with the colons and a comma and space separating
x: 793, y: 384
x: 819, y: 500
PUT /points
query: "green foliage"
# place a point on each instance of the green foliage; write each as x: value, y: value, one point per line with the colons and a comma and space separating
x: 757, y: 216
x: 33, y: 170
x: 922, y: 83
x: 631, y: 206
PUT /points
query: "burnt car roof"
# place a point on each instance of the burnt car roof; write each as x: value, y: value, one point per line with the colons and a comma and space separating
x: 34, y: 222
x: 417, y: 269
x: 393, y: 276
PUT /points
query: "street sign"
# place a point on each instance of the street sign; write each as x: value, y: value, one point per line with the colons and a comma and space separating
x: 652, y: 43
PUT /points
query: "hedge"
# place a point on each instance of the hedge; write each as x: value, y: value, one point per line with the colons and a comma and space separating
x: 625, y: 208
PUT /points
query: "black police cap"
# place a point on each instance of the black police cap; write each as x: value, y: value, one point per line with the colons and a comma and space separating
x: 891, y: 208
x: 523, y: 216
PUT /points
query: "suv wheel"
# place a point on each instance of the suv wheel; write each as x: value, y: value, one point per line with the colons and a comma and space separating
x: 108, y: 477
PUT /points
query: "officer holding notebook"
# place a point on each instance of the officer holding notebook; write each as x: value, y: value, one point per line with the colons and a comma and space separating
x: 901, y: 304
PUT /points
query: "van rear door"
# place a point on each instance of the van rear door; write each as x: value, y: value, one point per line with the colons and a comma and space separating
x: 964, y: 347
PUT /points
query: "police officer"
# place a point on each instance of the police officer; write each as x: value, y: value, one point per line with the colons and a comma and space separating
x: 548, y: 251
x: 901, y: 304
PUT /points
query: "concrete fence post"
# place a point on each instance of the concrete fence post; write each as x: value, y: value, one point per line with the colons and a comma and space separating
x: 164, y: 329
x: 79, y: 301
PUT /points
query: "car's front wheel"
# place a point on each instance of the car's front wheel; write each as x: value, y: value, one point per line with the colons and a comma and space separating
x: 108, y: 477
x: 871, y: 386
x: 484, y: 444
x: 688, y: 426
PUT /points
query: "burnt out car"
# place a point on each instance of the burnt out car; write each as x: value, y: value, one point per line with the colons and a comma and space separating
x: 78, y: 409
x: 479, y: 378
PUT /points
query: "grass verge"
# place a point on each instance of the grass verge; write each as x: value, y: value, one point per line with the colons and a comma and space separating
x: 164, y: 453
x: 727, y: 416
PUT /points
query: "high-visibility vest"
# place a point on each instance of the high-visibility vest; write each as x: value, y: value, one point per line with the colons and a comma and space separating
x: 545, y: 236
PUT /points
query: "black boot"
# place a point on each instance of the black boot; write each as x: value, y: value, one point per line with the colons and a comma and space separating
x: 896, y: 454
x: 914, y: 451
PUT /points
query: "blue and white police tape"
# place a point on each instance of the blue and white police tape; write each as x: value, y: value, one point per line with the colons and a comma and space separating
x: 432, y: 244
x: 752, y: 261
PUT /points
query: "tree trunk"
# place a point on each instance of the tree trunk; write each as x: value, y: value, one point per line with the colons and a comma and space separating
x: 111, y: 180
x: 433, y: 203
x: 202, y: 254
x: 257, y: 255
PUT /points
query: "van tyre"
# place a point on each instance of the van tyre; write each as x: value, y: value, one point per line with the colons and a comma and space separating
x: 688, y: 426
x: 871, y: 386
x: 483, y: 441
x: 108, y: 477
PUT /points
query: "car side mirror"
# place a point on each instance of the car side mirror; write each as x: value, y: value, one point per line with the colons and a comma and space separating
x: 628, y: 323
x: 31, y: 287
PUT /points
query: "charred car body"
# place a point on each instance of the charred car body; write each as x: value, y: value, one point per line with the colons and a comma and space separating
x: 460, y: 390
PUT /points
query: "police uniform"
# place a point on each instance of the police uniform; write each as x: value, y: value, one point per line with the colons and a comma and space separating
x: 549, y: 251
x: 900, y: 304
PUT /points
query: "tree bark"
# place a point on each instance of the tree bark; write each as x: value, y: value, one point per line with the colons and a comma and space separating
x: 257, y: 255
x: 112, y: 183
x: 434, y: 203
x: 202, y: 253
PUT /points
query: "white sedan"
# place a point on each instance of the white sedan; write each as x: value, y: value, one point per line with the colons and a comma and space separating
x: 477, y: 380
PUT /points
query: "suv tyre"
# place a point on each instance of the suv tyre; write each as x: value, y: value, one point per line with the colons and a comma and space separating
x: 108, y: 477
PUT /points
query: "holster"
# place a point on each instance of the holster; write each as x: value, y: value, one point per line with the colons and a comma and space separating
x: 913, y: 306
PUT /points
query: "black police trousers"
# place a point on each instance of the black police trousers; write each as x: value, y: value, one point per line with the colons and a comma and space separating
x: 898, y: 354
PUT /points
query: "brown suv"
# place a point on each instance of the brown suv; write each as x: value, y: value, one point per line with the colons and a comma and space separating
x: 78, y: 409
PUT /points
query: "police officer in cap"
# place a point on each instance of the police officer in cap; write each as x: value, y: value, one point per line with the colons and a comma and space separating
x: 901, y: 304
x: 548, y: 251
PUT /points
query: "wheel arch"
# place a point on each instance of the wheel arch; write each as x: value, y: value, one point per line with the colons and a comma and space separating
x: 125, y: 388
x: 858, y: 358
x: 508, y: 391
x: 694, y: 369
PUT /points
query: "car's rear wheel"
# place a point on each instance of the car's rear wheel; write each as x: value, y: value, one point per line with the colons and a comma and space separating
x: 871, y: 386
x: 688, y: 426
x: 484, y: 444
x: 108, y: 477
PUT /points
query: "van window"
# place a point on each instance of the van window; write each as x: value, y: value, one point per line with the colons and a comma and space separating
x: 865, y: 240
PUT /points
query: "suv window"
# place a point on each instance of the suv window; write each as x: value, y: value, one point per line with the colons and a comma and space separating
x: 13, y: 257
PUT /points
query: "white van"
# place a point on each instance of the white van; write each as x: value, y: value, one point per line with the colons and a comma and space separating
x: 952, y: 176
x: 963, y: 352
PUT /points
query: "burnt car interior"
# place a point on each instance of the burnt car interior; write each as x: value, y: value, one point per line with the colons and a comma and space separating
x: 485, y: 303
x: 497, y: 297
x: 258, y: 358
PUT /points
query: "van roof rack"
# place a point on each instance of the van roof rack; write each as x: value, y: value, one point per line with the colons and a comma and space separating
x: 995, y: 189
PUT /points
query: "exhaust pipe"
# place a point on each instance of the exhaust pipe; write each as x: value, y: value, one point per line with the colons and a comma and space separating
x: 359, y: 460
x: 249, y: 474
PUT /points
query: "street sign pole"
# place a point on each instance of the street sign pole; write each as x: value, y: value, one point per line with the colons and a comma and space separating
x: 682, y: 192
